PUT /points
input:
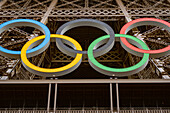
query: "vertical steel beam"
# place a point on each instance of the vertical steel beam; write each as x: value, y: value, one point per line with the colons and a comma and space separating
x: 55, y: 98
x: 117, y: 96
x: 86, y: 3
x: 111, y: 98
x: 49, y: 95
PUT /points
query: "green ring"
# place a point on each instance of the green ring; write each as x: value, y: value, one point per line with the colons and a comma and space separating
x: 96, y: 63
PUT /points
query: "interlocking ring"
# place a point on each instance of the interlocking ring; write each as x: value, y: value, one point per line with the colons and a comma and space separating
x: 86, y: 22
x: 41, y: 43
x: 26, y: 22
x: 118, y: 71
x: 139, y: 22
x: 46, y: 71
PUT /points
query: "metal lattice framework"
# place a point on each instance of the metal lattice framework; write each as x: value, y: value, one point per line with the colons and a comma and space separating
x: 48, y: 11
x: 65, y: 9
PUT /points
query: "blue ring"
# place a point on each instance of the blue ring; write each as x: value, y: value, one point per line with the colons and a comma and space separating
x: 44, y: 27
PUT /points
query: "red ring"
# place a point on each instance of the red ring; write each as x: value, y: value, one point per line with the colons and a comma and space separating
x: 123, y: 30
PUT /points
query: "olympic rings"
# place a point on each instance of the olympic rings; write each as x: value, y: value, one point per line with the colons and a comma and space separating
x: 118, y: 71
x: 144, y: 21
x: 41, y: 43
x: 25, y: 22
x: 86, y: 22
x: 51, y: 72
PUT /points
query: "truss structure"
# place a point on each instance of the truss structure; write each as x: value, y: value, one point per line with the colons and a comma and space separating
x: 50, y: 12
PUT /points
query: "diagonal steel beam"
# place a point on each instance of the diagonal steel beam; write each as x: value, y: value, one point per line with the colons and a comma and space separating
x: 132, y: 3
x: 44, y: 20
x: 2, y: 3
x: 128, y: 18
x: 73, y: 4
x: 146, y: 2
x: 38, y: 4
x: 41, y: 3
x: 151, y: 30
x: 103, y: 3
x: 45, y: 17
x: 67, y: 3
x: 15, y: 4
x: 26, y: 4
x: 20, y: 31
x: 122, y: 7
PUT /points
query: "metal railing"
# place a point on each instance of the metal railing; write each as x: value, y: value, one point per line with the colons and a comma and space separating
x: 144, y: 111
x: 85, y: 111
x: 122, y: 110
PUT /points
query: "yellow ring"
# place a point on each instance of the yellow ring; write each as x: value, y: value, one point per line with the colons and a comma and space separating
x: 53, y: 70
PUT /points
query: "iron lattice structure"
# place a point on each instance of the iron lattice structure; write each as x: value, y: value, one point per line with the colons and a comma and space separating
x: 54, y: 13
